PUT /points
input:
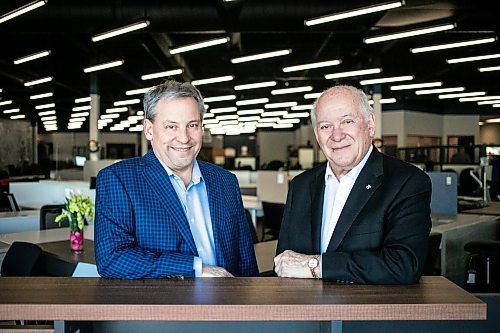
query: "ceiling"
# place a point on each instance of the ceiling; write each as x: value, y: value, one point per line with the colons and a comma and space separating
x: 253, y: 26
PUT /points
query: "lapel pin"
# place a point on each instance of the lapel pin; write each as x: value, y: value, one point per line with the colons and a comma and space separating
x: 368, y: 186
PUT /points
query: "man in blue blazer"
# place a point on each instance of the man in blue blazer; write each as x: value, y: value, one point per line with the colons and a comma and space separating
x: 362, y: 217
x: 166, y: 213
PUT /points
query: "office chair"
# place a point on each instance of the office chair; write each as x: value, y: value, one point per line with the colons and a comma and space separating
x: 483, y: 266
x: 273, y: 215
x: 48, y: 214
x: 432, y: 254
x: 8, y: 203
x: 253, y: 232
x: 21, y: 259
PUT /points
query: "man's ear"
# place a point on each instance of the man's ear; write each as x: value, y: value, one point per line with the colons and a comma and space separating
x: 371, y: 124
x: 148, y: 129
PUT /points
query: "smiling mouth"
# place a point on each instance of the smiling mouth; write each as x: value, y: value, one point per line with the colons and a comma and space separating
x: 181, y: 149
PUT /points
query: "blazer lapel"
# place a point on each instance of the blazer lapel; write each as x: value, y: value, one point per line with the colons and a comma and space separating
x: 158, y: 181
x: 364, y: 187
x: 317, y: 189
x: 217, y: 212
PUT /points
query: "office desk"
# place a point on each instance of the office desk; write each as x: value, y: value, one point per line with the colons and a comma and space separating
x: 24, y: 220
x: 44, y: 236
x: 493, y: 208
x: 225, y: 299
x: 253, y: 204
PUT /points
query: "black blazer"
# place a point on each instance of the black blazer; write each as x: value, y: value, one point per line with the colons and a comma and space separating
x: 382, y: 233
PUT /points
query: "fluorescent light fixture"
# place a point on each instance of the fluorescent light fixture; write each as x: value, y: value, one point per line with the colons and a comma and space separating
x: 261, y: 56
x: 109, y: 116
x: 250, y: 118
x: 79, y: 114
x: 274, y: 113
x: 82, y: 108
x: 83, y: 99
x: 115, y: 110
x: 127, y: 102
x: 48, y: 118
x: 493, y: 120
x: 73, y: 120
x: 18, y: 116
x: 264, y: 125
x: 496, y: 105
x: 228, y: 122
x: 50, y: 122
x: 199, y: 45
x: 475, y: 99
x: 227, y: 117
x: 409, y: 33
x: 22, y: 10
x: 223, y: 110
x: 297, y: 115
x: 386, y: 80
x: 269, y: 120
x: 208, y: 115
x: 5, y: 102
x: 291, y: 90
x: 289, y: 121
x: 49, y: 94
x: 280, y: 105
x: 476, y: 58
x: 103, y: 66
x: 210, y: 121
x: 45, y: 106
x: 252, y: 101
x: 417, y: 86
x: 11, y: 111
x: 312, y: 95
x: 283, y: 126
x: 439, y: 91
x: 219, y: 98
x: 46, y: 113
x: 311, y: 66
x: 255, y: 85
x: 302, y: 107
x: 121, y: 31
x: 469, y: 94
x: 353, y: 13
x: 212, y: 80
x: 495, y: 101
x: 38, y: 81
x: 383, y: 101
x: 453, y: 45
x: 138, y: 91
x: 489, y: 69
x: 33, y: 56
x: 161, y: 74
x: 249, y: 112
x: 353, y: 73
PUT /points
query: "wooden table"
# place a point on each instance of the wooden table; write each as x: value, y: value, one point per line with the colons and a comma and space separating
x: 493, y: 208
x: 232, y: 299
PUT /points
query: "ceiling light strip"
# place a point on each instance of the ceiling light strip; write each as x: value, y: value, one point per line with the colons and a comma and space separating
x: 255, y: 85
x: 162, y: 74
x: 476, y: 58
x: 22, y: 10
x: 489, y: 69
x: 200, y: 45
x: 45, y: 106
x: 438, y: 91
x: 261, y: 56
x: 83, y: 99
x: 6, y: 102
x: 453, y: 45
x: 252, y: 101
x: 219, y: 98
x: 387, y: 80
x: 38, y: 81
x: 353, y: 73
x: 475, y: 99
x: 312, y: 65
x: 212, y: 80
x: 417, y: 86
x: 121, y: 31
x: 353, y: 13
x: 106, y: 65
x: 469, y: 94
x: 127, y: 102
x: 49, y: 94
x: 409, y: 33
x: 291, y: 90
x: 33, y: 56
x: 138, y: 91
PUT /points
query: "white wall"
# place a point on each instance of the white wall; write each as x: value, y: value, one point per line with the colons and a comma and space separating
x: 454, y: 125
x: 273, y: 145
x: 490, y: 134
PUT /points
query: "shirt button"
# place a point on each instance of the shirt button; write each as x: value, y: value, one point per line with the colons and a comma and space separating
x: 192, y: 220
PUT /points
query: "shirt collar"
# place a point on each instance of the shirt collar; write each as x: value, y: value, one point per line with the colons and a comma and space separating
x: 354, y: 172
x: 196, y: 176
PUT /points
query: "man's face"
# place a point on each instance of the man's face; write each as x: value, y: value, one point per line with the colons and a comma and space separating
x: 343, y: 134
x: 176, y: 133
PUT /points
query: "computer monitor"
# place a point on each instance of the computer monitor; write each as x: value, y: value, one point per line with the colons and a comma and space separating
x: 80, y: 161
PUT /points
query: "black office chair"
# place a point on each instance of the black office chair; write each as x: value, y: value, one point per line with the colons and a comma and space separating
x: 483, y: 266
x: 253, y: 232
x: 21, y: 259
x: 430, y: 265
x: 8, y: 202
x: 273, y: 215
x: 48, y: 214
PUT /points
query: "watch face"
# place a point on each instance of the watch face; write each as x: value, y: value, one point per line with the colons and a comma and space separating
x: 313, y: 263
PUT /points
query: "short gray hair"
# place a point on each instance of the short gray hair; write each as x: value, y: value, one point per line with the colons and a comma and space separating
x: 170, y: 89
x: 364, y: 106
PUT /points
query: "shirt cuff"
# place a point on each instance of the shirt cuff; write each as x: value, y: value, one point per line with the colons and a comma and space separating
x: 197, y: 266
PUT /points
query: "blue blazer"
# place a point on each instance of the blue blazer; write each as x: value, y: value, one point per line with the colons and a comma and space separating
x: 141, y: 230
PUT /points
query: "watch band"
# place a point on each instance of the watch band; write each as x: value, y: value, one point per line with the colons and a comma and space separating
x: 313, y: 268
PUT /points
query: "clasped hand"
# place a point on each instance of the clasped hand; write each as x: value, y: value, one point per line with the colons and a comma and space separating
x: 214, y: 271
x: 294, y: 265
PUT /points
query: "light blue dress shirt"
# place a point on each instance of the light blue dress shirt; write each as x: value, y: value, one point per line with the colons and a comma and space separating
x: 194, y: 200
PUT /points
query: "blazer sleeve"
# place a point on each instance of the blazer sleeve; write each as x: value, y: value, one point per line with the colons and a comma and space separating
x: 116, y: 250
x: 401, y: 256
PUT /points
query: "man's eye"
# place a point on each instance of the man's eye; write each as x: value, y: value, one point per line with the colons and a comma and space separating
x: 193, y: 125
x: 170, y: 127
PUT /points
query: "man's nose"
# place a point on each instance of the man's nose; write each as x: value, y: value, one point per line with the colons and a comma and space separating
x: 337, y: 133
x: 183, y: 135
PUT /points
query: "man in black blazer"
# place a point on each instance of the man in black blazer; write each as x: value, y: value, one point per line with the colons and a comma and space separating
x: 362, y: 217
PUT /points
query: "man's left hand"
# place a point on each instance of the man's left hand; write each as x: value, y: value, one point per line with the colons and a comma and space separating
x: 295, y: 265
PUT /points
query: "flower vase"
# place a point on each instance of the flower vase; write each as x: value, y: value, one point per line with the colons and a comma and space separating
x: 76, y: 240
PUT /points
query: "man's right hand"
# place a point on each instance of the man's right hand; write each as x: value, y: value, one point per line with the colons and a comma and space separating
x: 214, y: 271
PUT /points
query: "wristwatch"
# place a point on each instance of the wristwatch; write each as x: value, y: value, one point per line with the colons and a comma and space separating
x: 313, y: 263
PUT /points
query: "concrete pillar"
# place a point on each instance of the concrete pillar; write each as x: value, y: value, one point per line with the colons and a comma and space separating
x: 377, y: 108
x: 94, y: 116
